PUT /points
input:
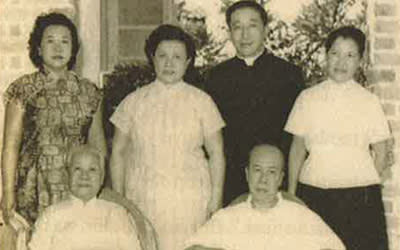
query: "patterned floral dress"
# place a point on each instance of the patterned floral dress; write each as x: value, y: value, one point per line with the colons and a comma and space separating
x: 58, y: 115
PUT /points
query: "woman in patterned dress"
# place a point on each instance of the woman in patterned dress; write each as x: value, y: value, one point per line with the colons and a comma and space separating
x: 47, y: 112
x: 166, y: 124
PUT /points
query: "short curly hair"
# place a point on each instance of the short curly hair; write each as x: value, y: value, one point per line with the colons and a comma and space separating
x: 347, y: 32
x: 41, y: 23
x: 167, y: 32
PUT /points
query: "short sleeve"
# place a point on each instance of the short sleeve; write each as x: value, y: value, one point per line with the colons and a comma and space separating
x: 21, y: 90
x: 121, y: 118
x: 378, y: 124
x: 94, y: 94
x: 297, y: 123
x: 210, y: 117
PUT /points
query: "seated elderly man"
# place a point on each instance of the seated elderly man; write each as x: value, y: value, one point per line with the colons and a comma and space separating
x: 265, y: 220
x: 84, y: 222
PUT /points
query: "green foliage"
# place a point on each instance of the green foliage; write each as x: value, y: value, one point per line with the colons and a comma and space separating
x: 300, y: 42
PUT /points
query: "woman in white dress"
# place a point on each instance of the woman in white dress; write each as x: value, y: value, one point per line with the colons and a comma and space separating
x: 161, y: 131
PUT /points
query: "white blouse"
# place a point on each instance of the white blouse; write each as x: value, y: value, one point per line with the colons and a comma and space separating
x: 75, y: 225
x: 338, y: 123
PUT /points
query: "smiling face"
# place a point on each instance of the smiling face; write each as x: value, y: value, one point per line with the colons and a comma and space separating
x: 264, y: 175
x: 86, y: 175
x: 247, y: 32
x: 170, y: 61
x: 56, y: 47
x: 343, y: 60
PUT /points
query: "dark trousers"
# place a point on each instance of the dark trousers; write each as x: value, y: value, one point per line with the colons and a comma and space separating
x: 356, y: 214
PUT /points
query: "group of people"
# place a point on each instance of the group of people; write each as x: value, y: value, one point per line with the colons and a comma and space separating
x: 181, y: 154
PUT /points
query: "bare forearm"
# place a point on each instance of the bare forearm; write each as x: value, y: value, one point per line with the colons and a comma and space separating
x: 96, y: 133
x: 215, y: 149
x: 217, y: 167
x: 117, y: 172
x: 380, y: 150
x: 121, y: 144
x: 11, y: 144
x: 297, y: 157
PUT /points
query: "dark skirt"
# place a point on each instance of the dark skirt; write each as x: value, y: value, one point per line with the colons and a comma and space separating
x: 356, y: 214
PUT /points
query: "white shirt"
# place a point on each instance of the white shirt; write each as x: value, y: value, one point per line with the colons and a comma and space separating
x: 75, y: 225
x: 338, y: 123
x: 250, y: 60
x: 286, y: 226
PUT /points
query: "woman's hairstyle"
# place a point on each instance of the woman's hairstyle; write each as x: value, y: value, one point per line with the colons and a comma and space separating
x: 246, y: 4
x: 167, y: 32
x: 41, y: 23
x: 347, y: 32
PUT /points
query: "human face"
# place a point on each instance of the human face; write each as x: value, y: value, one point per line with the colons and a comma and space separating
x: 56, y: 47
x: 343, y: 60
x: 86, y: 175
x: 247, y: 32
x: 170, y: 61
x: 264, y: 176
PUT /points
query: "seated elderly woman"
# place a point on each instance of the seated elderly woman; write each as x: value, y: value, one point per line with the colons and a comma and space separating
x: 83, y: 221
x: 265, y: 220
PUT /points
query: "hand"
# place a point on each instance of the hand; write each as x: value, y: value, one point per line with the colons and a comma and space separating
x: 385, y: 174
x: 7, y: 206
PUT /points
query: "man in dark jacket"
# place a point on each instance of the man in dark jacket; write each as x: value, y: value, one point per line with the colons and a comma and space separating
x: 254, y: 91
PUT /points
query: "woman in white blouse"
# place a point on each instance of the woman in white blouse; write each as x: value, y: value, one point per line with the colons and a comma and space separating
x: 339, y: 151
x: 167, y: 123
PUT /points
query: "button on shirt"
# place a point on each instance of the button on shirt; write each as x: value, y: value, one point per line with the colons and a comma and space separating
x: 338, y: 123
x: 286, y: 226
x: 75, y: 225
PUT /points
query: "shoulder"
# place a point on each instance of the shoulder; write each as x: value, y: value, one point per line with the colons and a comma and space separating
x: 87, y: 84
x: 25, y: 82
x: 316, y: 91
x: 282, y: 65
x: 57, y: 210
x: 366, y: 94
x: 224, y: 67
x: 137, y: 95
x: 196, y: 92
x: 293, y: 209
x: 233, y: 211
x: 27, y: 78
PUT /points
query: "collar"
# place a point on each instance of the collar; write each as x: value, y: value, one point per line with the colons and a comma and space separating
x: 342, y: 85
x: 168, y: 87
x: 250, y: 60
x: 250, y: 205
x: 80, y: 203
x: 68, y: 75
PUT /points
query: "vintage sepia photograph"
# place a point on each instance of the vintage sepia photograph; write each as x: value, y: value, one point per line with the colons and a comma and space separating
x: 199, y: 124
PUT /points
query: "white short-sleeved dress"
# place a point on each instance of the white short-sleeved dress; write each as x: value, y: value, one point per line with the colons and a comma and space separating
x: 167, y: 175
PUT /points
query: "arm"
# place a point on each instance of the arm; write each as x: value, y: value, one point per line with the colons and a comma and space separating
x: 381, y: 150
x: 215, y: 148
x: 96, y: 131
x: 13, y: 130
x: 120, y: 145
x: 297, y: 156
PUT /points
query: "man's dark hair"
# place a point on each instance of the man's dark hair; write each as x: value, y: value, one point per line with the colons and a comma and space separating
x: 246, y: 4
